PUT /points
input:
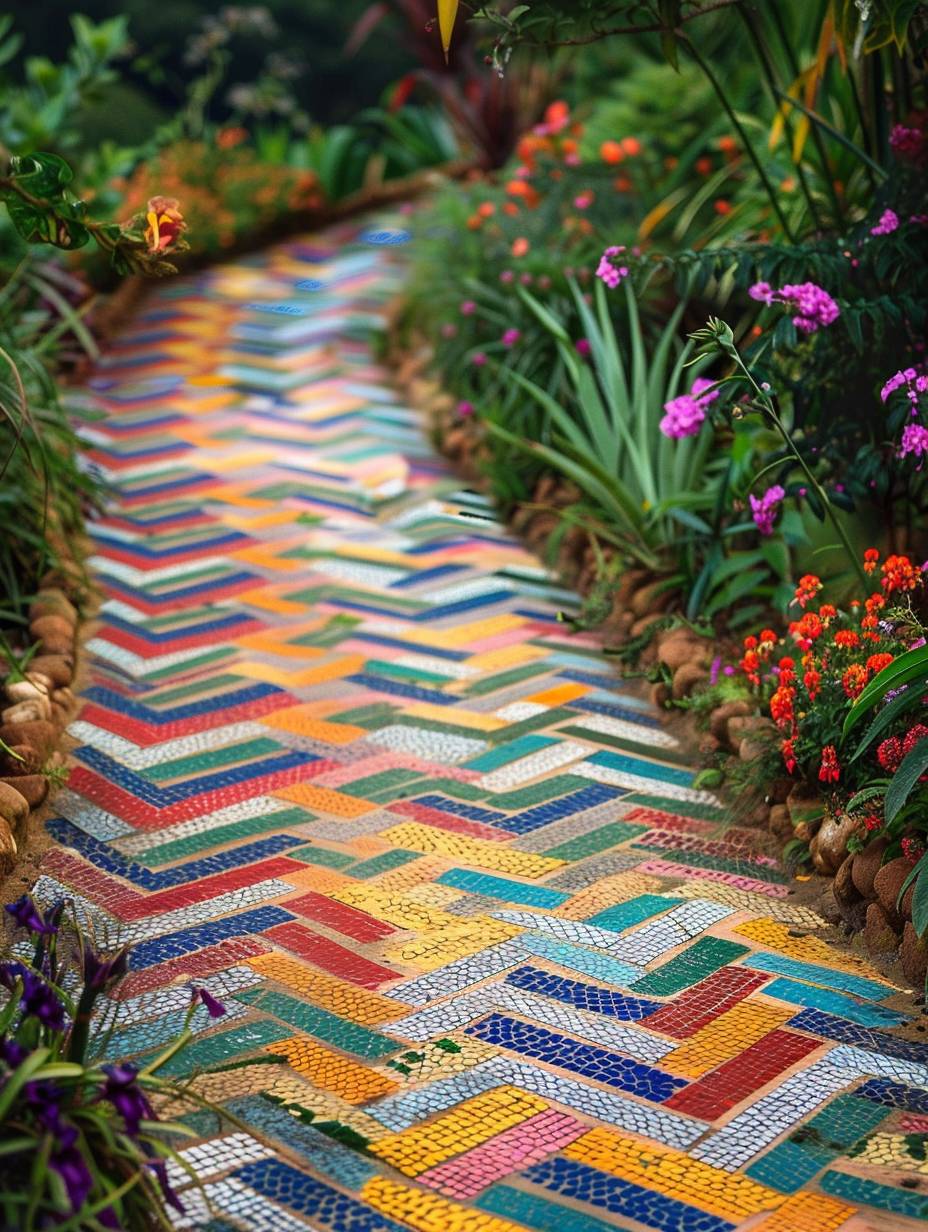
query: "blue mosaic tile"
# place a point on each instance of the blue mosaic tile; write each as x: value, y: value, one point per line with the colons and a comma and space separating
x: 502, y: 888
x: 536, y: 1212
x: 871, y: 1193
x: 814, y: 973
x: 594, y: 963
x: 588, y: 1061
x: 555, y: 810
x: 582, y: 996
x: 844, y: 1032
x: 833, y: 1002
x: 622, y: 1198
x: 894, y: 1095
x: 330, y: 1157
x: 187, y: 940
x: 634, y: 911
x: 111, y: 700
x: 327, y: 1207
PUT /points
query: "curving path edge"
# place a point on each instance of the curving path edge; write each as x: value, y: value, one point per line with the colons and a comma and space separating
x: 340, y: 762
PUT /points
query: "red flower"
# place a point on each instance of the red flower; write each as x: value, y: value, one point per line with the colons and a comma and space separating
x: 808, y: 587
x: 781, y: 706
x: 889, y: 754
x: 812, y: 679
x: 871, y: 556
x: 899, y: 574
x: 847, y: 639
x: 789, y: 756
x: 854, y: 680
x: 829, y: 771
x: 912, y: 849
x: 912, y: 737
x: 877, y: 662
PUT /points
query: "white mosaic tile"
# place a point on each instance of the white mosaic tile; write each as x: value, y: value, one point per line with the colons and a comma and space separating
x: 624, y: 730
x: 563, y: 929
x: 148, y: 579
x: 136, y: 842
x: 516, y: 712
x: 636, y: 782
x: 460, y: 974
x: 546, y: 837
x: 258, y: 1214
x: 532, y: 767
x: 135, y: 665
x: 141, y: 757
x: 88, y: 817
x: 209, y: 1159
x: 435, y: 746
x: 866, y: 1062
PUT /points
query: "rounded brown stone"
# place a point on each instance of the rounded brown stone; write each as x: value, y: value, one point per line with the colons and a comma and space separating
x: 43, y: 736
x: 779, y: 822
x: 686, y: 678
x: 58, y: 668
x: 654, y: 597
x: 25, y: 691
x: 679, y: 647
x: 718, y: 720
x: 829, y: 846
x: 36, y: 709
x: 660, y: 694
x: 753, y: 727
x: 7, y: 847
x: 52, y: 629
x: 844, y: 886
x: 879, y: 935
x: 21, y: 759
x: 32, y: 787
x: 866, y: 865
x: 914, y: 957
x: 645, y: 623
x: 888, y: 884
x: 53, y: 602
x: 13, y: 804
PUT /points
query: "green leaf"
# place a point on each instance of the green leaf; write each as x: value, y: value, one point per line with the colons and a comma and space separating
x: 912, y: 768
x: 919, y: 898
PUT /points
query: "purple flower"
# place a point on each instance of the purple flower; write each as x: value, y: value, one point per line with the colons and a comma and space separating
x: 506, y: 276
x: 914, y: 441
x: 37, y: 999
x: 43, y: 1099
x: 216, y: 1008
x: 715, y: 670
x: 98, y: 972
x: 764, y: 510
x: 464, y: 409
x: 27, y: 915
x: 468, y: 308
x: 906, y: 142
x: 608, y: 270
x: 68, y: 1162
x: 582, y: 347
x: 160, y: 1170
x: 122, y: 1090
x: 700, y: 386
x: 889, y: 222
x: 909, y: 378
x: 511, y: 337
x: 12, y: 1053
x: 763, y: 292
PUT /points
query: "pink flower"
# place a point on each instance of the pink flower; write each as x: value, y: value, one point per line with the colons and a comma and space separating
x: 582, y: 347
x: 511, y: 337
x: 448, y: 329
x: 608, y: 271
x: 889, y: 221
x: 813, y: 307
x: 914, y: 441
x: 908, y: 143
x: 506, y: 276
x: 468, y: 308
x: 464, y: 409
x: 686, y: 413
x: 764, y: 510
x: 478, y: 359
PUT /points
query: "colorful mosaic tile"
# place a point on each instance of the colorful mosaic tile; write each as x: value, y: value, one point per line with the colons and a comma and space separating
x: 338, y: 759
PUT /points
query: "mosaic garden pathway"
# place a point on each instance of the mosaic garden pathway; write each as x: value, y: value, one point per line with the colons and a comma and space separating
x: 339, y: 760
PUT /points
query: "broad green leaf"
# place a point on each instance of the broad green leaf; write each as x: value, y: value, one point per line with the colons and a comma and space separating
x: 913, y: 766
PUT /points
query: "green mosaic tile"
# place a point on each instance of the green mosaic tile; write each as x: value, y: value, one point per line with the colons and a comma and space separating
x: 504, y: 680
x: 625, y: 915
x: 871, y: 1193
x: 383, y: 863
x: 459, y: 790
x: 597, y: 840
x: 209, y: 759
x: 540, y: 793
x: 225, y: 1046
x: 235, y: 830
x: 320, y: 1023
x: 385, y: 781
x: 547, y: 718
x: 701, y: 812
x: 627, y: 746
x: 169, y: 696
x: 398, y: 671
x: 694, y: 964
x: 204, y: 660
x: 322, y: 856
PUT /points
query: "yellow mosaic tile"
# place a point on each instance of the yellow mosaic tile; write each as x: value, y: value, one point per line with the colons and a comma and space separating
x: 807, y: 1212
x: 428, y: 1212
x: 725, y: 1037
x: 414, y: 873
x: 505, y: 656
x: 415, y: 1150
x: 559, y: 695
x: 483, y: 853
x: 438, y: 1062
x: 290, y: 1090
x: 674, y: 1174
x: 394, y: 908
x: 352, y: 1082
x: 462, y: 718
x: 370, y: 1009
x: 747, y: 900
x: 891, y: 1151
x: 606, y: 893
x: 477, y: 630
x: 313, y: 877
x: 431, y: 895
x: 435, y: 947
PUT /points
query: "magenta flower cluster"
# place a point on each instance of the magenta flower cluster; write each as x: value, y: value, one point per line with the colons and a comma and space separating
x: 609, y: 270
x: 914, y: 441
x: 812, y: 307
x: 907, y: 143
x: 913, y: 382
x: 764, y: 509
x: 685, y: 413
x: 888, y: 222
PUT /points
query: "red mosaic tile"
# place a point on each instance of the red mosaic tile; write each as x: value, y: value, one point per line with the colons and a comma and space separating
x: 703, y: 1003
x: 339, y: 916
x: 190, y: 966
x: 448, y: 821
x: 330, y: 956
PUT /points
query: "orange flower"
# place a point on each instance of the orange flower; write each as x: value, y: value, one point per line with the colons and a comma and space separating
x: 847, y: 639
x: 557, y: 116
x: 877, y: 662
x: 520, y: 246
x: 704, y: 165
x: 808, y: 587
x: 622, y: 183
x: 631, y: 146
x: 611, y: 152
x: 486, y: 209
x: 899, y: 574
x: 854, y: 680
x: 871, y: 556
x: 721, y: 206
x: 165, y: 223
x: 229, y: 138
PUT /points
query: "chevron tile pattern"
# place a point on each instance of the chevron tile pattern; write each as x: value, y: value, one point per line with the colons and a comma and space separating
x: 491, y: 961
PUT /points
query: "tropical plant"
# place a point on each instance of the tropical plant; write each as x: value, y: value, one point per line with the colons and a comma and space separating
x: 81, y: 1146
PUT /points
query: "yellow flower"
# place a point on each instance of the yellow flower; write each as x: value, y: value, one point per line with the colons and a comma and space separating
x: 165, y: 223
